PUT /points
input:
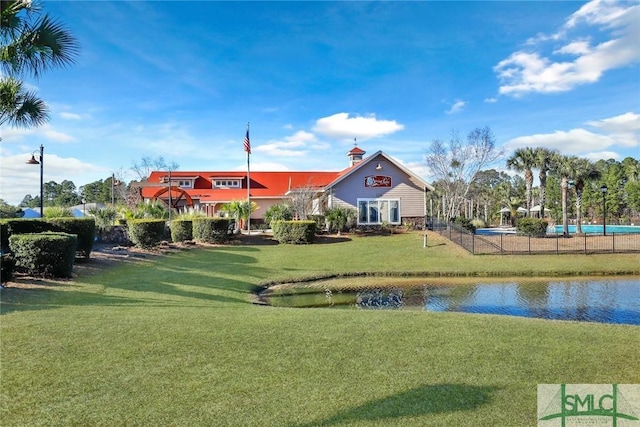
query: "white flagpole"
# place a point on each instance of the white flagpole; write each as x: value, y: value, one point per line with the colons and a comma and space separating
x: 247, y: 147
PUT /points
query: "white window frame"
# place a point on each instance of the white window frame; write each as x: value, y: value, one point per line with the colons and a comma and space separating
x: 373, y: 215
x: 227, y: 183
x: 185, y: 183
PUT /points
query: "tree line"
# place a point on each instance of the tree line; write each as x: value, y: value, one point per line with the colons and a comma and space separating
x: 568, y: 186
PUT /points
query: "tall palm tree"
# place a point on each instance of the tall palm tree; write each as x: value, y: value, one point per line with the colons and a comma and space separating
x: 543, y: 164
x: 30, y: 44
x: 582, y: 170
x: 561, y: 166
x: 523, y: 160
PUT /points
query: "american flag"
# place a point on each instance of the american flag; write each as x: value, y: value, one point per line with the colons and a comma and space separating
x: 247, y: 143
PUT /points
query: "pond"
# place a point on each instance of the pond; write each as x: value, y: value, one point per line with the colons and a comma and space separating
x: 604, y: 300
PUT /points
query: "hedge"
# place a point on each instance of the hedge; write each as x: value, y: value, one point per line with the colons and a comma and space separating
x: 84, y: 228
x: 181, y: 230
x: 295, y: 232
x: 146, y: 233
x: 535, y: 227
x: 45, y: 254
x: 211, y: 230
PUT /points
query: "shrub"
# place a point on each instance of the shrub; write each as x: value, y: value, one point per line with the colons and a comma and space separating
x: 181, y: 230
x: 57, y: 212
x: 105, y: 217
x: 21, y: 226
x: 465, y: 223
x: 295, y: 232
x: 7, y: 267
x: 341, y: 218
x: 45, y: 254
x: 211, y: 230
x: 478, y: 223
x: 278, y: 212
x: 146, y: 233
x: 84, y: 228
x: 536, y: 227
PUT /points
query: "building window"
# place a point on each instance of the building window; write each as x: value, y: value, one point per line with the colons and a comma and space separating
x: 377, y: 211
x: 226, y: 183
x: 185, y: 183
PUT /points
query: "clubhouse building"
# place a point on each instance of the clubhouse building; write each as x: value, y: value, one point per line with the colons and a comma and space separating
x: 380, y: 188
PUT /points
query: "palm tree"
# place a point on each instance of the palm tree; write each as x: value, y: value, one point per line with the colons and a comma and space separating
x: 543, y: 164
x: 30, y: 43
x: 523, y: 160
x: 240, y: 211
x: 582, y: 170
x: 561, y: 166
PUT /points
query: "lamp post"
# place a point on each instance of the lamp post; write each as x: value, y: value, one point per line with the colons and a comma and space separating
x: 604, y: 209
x: 40, y: 161
x: 84, y: 207
x: 114, y: 184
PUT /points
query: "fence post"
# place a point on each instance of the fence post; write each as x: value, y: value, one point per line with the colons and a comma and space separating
x: 557, y: 244
x: 613, y: 243
x: 585, y: 243
x: 473, y: 244
x: 529, y: 244
x: 501, y: 245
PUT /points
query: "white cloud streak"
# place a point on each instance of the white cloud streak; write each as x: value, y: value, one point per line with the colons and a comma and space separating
x: 622, y: 130
x: 529, y: 70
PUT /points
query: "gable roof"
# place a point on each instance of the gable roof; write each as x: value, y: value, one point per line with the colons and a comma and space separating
x: 347, y: 172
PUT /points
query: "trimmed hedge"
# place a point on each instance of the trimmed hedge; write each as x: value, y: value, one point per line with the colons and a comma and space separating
x: 84, y: 228
x: 535, y: 227
x: 295, y: 232
x: 146, y: 233
x: 12, y: 226
x: 45, y: 254
x: 181, y: 230
x: 211, y: 230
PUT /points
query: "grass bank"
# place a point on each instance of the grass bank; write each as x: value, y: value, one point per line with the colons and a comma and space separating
x: 174, y: 340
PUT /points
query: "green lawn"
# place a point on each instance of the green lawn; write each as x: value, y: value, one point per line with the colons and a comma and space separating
x: 174, y: 340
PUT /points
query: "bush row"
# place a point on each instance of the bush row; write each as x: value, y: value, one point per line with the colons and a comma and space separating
x: 535, y: 227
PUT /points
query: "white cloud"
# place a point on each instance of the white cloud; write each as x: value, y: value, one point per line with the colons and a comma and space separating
x: 46, y: 131
x: 341, y: 126
x: 613, y: 132
x: 19, y: 179
x: 575, y: 141
x: 491, y: 100
x: 529, y: 71
x: 625, y: 128
x: 295, y: 145
x: 456, y: 107
x: 70, y: 116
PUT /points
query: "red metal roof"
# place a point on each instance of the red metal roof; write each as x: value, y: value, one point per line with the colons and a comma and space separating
x: 356, y: 150
x: 263, y: 184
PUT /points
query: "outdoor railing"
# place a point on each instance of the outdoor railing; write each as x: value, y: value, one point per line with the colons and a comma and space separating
x: 552, y: 243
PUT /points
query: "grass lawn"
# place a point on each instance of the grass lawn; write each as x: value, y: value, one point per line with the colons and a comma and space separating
x: 175, y: 340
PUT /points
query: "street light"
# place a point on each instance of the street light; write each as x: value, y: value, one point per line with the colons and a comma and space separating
x: 84, y: 207
x: 114, y: 183
x: 40, y: 161
x: 604, y: 209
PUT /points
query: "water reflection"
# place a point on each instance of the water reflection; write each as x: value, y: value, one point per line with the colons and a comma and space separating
x: 606, y: 301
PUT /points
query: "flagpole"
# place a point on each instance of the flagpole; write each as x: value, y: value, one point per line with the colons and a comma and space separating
x: 247, y: 148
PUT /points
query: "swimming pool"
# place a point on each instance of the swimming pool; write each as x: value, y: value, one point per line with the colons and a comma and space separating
x: 598, y: 229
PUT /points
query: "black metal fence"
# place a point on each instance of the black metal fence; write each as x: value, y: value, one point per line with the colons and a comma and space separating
x: 552, y: 243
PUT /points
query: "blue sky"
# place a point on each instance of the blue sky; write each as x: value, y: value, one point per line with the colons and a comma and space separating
x: 182, y: 79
